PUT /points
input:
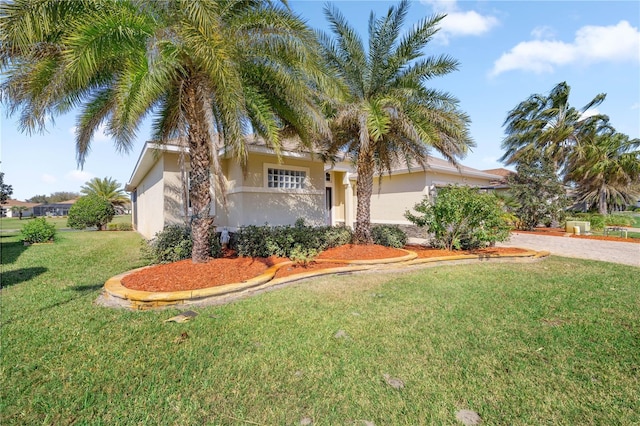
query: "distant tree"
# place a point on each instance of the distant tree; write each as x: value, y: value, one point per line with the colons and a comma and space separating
x: 60, y: 196
x: 5, y: 190
x: 39, y: 199
x: 107, y: 188
x: 547, y: 126
x: 19, y: 210
x: 540, y: 195
x: 90, y: 210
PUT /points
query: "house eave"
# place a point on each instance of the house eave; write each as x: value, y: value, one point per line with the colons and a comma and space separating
x: 146, y: 160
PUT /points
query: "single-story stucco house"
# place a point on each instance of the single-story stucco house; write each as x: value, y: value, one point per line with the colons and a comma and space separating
x: 279, y: 191
x: 54, y: 209
x: 24, y: 209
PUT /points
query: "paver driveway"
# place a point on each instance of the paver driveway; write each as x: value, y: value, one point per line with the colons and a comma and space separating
x: 607, y: 251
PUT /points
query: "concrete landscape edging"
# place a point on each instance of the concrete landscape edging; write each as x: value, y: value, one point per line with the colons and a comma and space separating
x: 114, y: 293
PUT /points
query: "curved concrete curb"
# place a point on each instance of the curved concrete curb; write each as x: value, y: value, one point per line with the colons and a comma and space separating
x: 528, y: 254
x: 138, y: 299
x: 115, y: 292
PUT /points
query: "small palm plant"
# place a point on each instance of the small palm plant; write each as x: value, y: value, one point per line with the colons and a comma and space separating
x: 107, y: 188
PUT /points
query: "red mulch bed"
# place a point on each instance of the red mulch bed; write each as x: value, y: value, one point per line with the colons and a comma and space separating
x: 361, y: 252
x: 287, y: 271
x: 559, y: 232
x: 185, y: 275
x: 426, y: 252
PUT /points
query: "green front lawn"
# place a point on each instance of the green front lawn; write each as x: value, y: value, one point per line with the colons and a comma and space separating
x: 554, y: 342
x: 8, y: 224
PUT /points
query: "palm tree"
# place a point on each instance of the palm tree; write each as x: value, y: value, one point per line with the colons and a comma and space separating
x: 547, y: 126
x: 209, y: 72
x: 19, y: 210
x: 606, y: 171
x: 387, y: 115
x: 107, y: 188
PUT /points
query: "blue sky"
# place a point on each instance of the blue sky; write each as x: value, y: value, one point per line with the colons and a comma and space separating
x: 507, y: 51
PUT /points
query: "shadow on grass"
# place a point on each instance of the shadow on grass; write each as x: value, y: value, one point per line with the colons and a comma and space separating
x: 88, y: 288
x: 20, y: 275
x: 10, y: 251
x: 80, y: 290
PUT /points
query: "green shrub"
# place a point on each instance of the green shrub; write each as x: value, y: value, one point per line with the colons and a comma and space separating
x: 119, y: 227
x: 595, y: 220
x: 281, y: 241
x: 90, y: 210
x: 335, y: 236
x: 38, y: 231
x: 462, y: 218
x: 618, y: 220
x: 389, y: 236
x: 174, y: 243
x: 302, y: 256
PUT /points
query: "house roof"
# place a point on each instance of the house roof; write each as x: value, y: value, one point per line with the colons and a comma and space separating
x: 432, y: 164
x: 499, y: 171
x: 291, y: 147
x: 15, y: 203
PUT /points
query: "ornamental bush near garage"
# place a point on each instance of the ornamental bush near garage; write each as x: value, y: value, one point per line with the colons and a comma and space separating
x: 461, y: 218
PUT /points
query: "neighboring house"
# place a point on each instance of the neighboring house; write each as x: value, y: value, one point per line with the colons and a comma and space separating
x: 54, y: 209
x: 500, y: 184
x: 8, y: 212
x: 274, y: 192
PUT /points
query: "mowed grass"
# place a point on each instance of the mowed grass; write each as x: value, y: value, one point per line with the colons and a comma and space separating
x: 554, y: 342
x: 15, y: 223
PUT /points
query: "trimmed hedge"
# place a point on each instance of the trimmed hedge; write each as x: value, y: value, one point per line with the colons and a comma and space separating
x: 389, y: 236
x: 298, y: 241
x: 174, y: 243
x: 119, y: 227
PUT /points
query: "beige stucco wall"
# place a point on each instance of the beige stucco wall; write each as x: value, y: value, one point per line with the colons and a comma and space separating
x: 250, y: 202
x: 394, y: 195
x: 174, y: 211
x: 338, y: 202
x: 400, y: 192
x: 441, y: 179
x: 150, y: 201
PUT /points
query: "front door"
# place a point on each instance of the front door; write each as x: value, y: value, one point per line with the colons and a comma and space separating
x: 328, y: 204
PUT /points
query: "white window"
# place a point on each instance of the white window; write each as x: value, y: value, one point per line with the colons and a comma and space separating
x: 285, y: 179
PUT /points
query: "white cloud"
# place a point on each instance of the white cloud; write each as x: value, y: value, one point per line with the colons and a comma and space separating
x: 589, y: 113
x: 617, y: 43
x: 47, y: 178
x: 635, y: 106
x: 100, y: 135
x: 79, y: 176
x: 467, y: 23
x: 542, y: 32
x: 460, y: 23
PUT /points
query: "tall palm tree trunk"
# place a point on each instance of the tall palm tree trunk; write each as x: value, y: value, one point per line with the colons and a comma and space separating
x: 602, y: 201
x: 364, y: 189
x: 200, y: 157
